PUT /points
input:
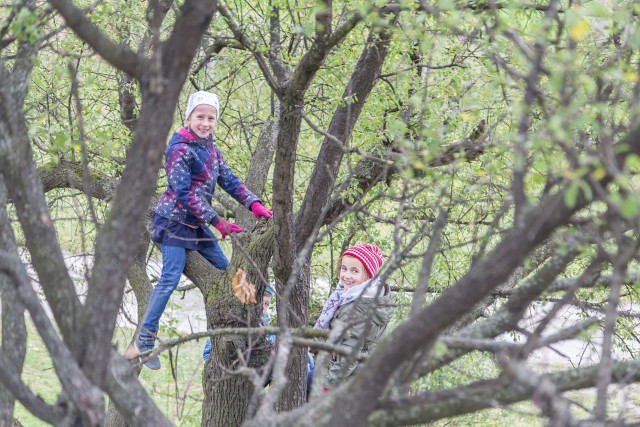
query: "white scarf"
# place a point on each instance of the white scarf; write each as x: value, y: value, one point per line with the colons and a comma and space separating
x: 342, y: 296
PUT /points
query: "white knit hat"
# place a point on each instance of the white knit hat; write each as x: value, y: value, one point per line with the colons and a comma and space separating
x: 202, y: 98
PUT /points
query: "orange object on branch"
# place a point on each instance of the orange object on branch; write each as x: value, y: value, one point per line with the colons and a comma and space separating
x: 244, y: 291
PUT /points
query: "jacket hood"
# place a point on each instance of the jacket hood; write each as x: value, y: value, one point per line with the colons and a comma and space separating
x: 184, y: 136
x: 378, y: 296
x: 384, y: 307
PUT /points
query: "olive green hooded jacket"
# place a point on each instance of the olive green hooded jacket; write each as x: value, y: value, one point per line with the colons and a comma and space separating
x: 360, y: 325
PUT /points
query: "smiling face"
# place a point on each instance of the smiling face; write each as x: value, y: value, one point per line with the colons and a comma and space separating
x: 352, y: 272
x: 202, y: 120
x: 266, y: 301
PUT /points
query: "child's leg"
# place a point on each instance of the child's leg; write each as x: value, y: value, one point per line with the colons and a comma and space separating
x: 174, y: 259
x: 207, y: 350
x: 310, y: 368
x: 215, y: 256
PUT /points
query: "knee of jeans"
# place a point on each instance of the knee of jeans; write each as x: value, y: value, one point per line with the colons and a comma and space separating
x: 166, y: 285
x: 224, y: 264
x: 164, y: 288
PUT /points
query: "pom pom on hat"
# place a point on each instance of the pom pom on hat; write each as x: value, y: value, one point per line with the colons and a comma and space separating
x: 369, y: 255
x: 202, y: 98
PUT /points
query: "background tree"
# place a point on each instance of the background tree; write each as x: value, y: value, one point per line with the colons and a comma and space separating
x: 489, y: 149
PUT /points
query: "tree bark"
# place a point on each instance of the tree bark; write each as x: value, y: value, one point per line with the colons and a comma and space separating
x: 227, y: 392
x: 14, y: 331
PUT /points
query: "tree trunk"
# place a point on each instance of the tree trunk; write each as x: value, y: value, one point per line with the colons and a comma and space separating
x: 14, y: 332
x: 14, y: 344
x: 294, y: 394
x: 141, y: 286
x: 114, y: 418
x: 227, y: 394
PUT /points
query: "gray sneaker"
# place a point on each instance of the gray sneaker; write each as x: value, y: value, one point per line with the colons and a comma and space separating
x: 136, y: 348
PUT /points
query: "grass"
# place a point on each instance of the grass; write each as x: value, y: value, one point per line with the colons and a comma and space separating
x: 520, y: 415
x: 180, y: 399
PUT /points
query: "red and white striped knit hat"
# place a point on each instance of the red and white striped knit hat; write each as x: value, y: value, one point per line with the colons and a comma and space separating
x: 369, y: 255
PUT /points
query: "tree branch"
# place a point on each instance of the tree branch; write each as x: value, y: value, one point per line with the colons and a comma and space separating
x: 10, y: 378
x: 433, y: 406
x: 482, y: 344
x: 275, y: 47
x: 509, y: 314
x: 361, y: 82
x: 627, y: 249
x: 178, y: 50
x: 14, y: 331
x: 324, y: 14
x: 419, y: 333
x: 117, y: 55
x: 214, y: 49
x: 380, y: 165
x: 244, y: 39
x: 311, y: 61
x: 88, y: 398
x: 427, y: 262
x: 27, y: 196
x: 116, y: 240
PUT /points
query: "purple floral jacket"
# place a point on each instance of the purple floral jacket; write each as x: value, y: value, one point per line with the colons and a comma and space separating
x: 193, y: 170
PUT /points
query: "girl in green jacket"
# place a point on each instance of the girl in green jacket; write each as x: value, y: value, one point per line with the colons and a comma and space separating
x: 359, y: 308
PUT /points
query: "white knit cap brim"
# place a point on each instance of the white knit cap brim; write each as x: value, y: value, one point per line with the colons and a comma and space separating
x: 202, y: 98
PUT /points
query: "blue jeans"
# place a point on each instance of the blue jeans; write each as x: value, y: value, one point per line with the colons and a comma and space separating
x: 174, y: 259
x: 206, y: 353
x: 311, y: 366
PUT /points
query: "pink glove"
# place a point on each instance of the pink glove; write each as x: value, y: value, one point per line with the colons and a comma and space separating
x: 225, y: 228
x: 260, y: 211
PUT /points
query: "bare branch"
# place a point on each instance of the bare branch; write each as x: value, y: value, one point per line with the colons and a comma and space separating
x: 76, y: 385
x: 10, y: 379
x: 427, y: 262
x: 433, y: 406
x: 469, y: 343
x: 244, y: 39
x: 86, y: 180
x: 627, y: 250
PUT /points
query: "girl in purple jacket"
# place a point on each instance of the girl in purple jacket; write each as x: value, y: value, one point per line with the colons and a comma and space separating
x: 194, y: 166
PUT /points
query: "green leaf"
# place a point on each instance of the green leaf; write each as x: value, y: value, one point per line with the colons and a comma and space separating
x: 439, y: 349
x: 60, y: 140
x: 629, y: 208
x: 571, y: 195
